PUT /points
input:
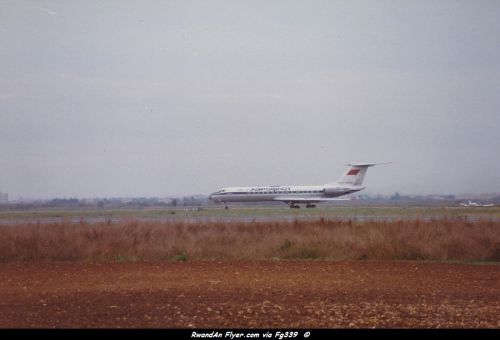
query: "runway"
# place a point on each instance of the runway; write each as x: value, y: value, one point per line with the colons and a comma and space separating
x: 245, y: 214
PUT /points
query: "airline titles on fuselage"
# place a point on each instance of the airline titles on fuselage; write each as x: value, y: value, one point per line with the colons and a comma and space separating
x: 270, y: 189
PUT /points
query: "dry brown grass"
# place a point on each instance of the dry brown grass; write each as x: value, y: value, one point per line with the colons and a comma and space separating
x: 435, y: 240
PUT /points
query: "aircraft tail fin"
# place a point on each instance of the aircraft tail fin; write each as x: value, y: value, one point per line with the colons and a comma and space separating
x: 356, y: 174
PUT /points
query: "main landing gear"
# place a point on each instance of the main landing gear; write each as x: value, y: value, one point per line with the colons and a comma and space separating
x: 295, y: 206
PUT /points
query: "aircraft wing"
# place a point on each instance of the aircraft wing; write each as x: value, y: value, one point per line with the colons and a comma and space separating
x: 308, y: 199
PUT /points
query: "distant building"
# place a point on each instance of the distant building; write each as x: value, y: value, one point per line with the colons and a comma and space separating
x: 4, y: 197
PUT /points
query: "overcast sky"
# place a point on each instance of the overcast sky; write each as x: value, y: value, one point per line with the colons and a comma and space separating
x: 157, y: 98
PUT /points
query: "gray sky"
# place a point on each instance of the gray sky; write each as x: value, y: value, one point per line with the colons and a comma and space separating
x: 153, y: 98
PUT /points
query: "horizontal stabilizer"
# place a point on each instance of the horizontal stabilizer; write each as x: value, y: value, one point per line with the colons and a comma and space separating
x: 362, y: 165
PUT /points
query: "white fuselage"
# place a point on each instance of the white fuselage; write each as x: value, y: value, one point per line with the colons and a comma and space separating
x: 316, y: 193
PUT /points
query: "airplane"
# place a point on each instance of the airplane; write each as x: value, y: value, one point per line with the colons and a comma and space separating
x: 475, y: 204
x: 348, y: 183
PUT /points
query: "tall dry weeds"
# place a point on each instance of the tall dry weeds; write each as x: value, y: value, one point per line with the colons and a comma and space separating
x: 441, y: 240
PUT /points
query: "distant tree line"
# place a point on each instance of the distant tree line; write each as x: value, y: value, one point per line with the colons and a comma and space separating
x: 65, y: 201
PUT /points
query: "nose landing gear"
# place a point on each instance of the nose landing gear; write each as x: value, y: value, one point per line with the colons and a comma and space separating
x: 309, y: 205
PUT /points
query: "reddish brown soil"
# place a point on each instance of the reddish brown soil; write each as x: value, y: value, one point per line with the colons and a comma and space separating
x: 250, y: 294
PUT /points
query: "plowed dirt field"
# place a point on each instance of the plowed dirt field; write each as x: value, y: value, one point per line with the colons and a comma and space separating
x: 302, y: 294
